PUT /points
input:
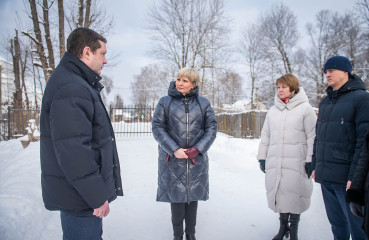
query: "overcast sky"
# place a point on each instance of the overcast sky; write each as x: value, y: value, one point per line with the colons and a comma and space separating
x: 131, y: 40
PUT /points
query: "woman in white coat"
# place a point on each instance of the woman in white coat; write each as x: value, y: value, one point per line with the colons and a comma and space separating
x: 285, y: 153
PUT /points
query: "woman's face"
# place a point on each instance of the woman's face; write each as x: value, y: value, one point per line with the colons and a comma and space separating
x: 284, y: 91
x: 184, y: 85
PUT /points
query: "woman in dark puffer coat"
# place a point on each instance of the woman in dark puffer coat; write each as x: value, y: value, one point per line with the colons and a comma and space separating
x: 185, y: 126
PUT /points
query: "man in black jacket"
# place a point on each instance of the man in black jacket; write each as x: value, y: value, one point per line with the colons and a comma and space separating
x: 340, y: 131
x: 79, y: 160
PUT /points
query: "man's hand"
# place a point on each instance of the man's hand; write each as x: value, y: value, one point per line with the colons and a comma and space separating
x: 102, y: 211
x: 180, y: 153
x: 348, y: 185
x: 313, y: 175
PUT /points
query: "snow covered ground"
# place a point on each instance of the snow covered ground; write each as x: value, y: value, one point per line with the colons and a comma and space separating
x: 237, y: 208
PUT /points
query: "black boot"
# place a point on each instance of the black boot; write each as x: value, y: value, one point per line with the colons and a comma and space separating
x: 294, y: 224
x: 178, y: 238
x: 190, y: 237
x: 283, y: 228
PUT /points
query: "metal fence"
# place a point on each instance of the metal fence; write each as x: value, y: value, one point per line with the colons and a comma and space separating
x: 136, y: 121
x: 131, y: 120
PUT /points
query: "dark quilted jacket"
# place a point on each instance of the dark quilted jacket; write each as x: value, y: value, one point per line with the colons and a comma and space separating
x: 79, y: 160
x: 180, y: 180
x: 342, y: 123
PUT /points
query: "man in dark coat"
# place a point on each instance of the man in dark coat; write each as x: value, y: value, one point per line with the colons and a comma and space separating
x: 341, y: 126
x: 79, y: 160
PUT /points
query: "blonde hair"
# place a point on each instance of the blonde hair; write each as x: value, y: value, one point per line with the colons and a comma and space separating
x: 189, y: 73
x: 290, y: 80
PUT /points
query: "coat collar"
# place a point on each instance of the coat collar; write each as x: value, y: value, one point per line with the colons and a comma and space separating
x: 297, y: 99
x: 81, y: 69
x: 172, y: 91
x: 354, y: 83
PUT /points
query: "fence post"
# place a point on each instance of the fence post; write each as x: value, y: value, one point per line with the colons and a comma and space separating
x: 8, y: 122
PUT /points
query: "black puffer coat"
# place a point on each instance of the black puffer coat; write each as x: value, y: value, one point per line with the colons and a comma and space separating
x: 79, y: 160
x: 180, y: 180
x: 342, y: 123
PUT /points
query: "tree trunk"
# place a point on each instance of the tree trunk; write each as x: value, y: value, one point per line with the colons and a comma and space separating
x: 61, y: 28
x: 38, y: 40
x: 87, y: 14
x: 80, y: 13
x: 15, y: 50
x: 47, y: 35
x: 23, y: 66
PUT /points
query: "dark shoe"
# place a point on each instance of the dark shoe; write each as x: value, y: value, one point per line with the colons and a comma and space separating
x: 294, y: 225
x: 178, y: 238
x: 283, y: 227
x: 190, y: 237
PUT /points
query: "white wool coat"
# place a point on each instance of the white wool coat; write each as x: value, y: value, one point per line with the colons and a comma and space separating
x: 286, y: 145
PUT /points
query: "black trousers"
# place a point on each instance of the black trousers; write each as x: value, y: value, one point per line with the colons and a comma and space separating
x: 184, y: 211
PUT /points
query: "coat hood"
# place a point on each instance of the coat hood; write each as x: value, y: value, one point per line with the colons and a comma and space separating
x: 296, y: 100
x: 354, y: 83
x: 173, y: 92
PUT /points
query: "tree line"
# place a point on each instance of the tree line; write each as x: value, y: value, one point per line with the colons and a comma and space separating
x: 39, y: 42
x: 195, y: 33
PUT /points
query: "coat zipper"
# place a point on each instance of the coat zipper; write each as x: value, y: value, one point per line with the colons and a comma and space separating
x: 188, y: 136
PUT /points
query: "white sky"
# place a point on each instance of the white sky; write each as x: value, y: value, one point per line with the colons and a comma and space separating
x: 131, y: 40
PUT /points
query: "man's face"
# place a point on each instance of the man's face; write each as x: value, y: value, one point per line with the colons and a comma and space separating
x: 97, y: 59
x: 336, y: 78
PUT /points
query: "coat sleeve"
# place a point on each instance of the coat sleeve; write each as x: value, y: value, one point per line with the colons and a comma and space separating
x: 356, y: 193
x: 159, y: 130
x: 309, y: 126
x: 210, y: 131
x: 362, y: 168
x: 71, y: 120
x: 265, y: 138
x: 313, y: 157
x: 362, y: 123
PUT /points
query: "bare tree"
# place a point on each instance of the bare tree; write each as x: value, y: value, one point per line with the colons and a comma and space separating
x: 118, y: 101
x: 90, y: 14
x: 353, y: 41
x: 39, y: 41
x: 15, y: 51
x: 363, y: 8
x: 151, y: 84
x: 323, y: 46
x: 279, y: 27
x: 231, y: 88
x: 253, y: 52
x: 332, y: 34
x: 61, y: 28
x: 189, y: 33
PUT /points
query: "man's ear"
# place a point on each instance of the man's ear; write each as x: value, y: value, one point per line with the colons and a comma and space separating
x: 86, y: 53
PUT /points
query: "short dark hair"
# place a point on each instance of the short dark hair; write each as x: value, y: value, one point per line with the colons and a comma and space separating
x: 81, y: 38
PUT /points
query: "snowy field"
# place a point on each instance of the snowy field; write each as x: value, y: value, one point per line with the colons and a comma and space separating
x: 237, y: 208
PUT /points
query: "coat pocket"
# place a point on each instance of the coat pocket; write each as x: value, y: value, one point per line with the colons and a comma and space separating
x: 343, y: 156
